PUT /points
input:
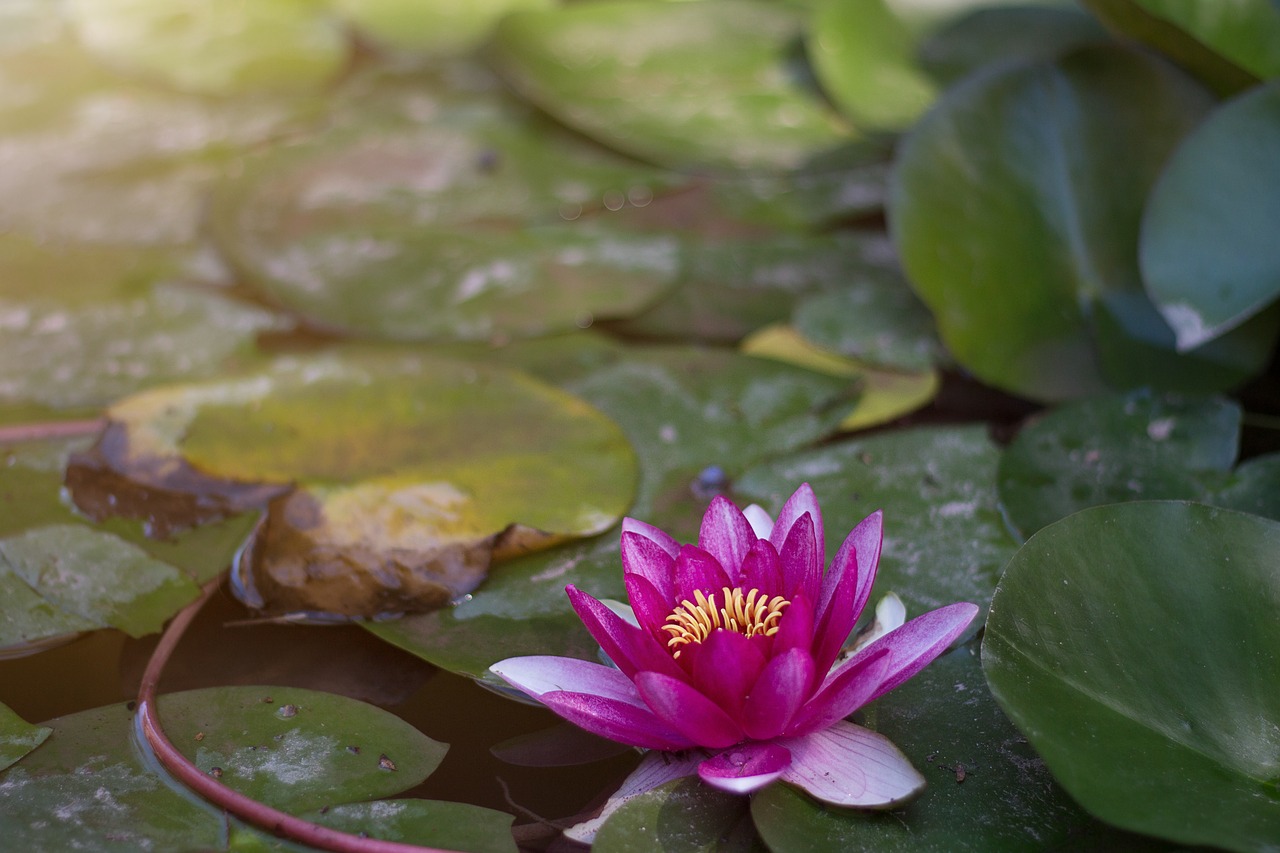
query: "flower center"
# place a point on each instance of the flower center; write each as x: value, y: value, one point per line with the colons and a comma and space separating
x: 748, y: 613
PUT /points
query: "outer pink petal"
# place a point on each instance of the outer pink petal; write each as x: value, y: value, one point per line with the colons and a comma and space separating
x: 802, y: 501
x: 860, y: 551
x: 795, y: 629
x: 762, y: 569
x: 745, y: 768
x: 801, y: 558
x: 660, y: 537
x: 616, y: 720
x: 649, y: 559
x: 916, y: 643
x: 649, y: 605
x: 847, y: 765
x: 837, y: 615
x: 841, y: 695
x: 632, y: 649
x: 778, y: 693
x: 538, y: 675
x: 696, y: 569
x: 726, y: 535
x: 726, y: 666
x: 687, y: 711
x: 656, y: 768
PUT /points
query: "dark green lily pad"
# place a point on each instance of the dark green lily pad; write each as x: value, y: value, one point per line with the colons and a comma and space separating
x: 440, y: 27
x: 1136, y: 647
x: 216, y: 48
x: 1210, y: 259
x: 988, y: 791
x: 1003, y: 33
x: 1016, y: 208
x: 392, y: 475
x: 1137, y: 447
x: 937, y: 487
x: 430, y: 823
x: 688, y: 85
x: 17, y: 736
x: 680, y: 817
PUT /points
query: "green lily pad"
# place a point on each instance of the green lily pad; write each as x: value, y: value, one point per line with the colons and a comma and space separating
x: 17, y: 736
x: 476, y: 224
x: 393, y: 475
x: 937, y: 487
x: 216, y: 48
x: 988, y: 791
x: 687, y: 85
x: 1209, y: 255
x: 864, y: 57
x: 1137, y: 447
x: 429, y: 823
x: 291, y: 752
x: 684, y: 816
x: 1135, y: 646
x: 1016, y: 207
x: 438, y: 27
x: 1247, y: 32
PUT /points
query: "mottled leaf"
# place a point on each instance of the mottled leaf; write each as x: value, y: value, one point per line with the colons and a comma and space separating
x: 17, y: 736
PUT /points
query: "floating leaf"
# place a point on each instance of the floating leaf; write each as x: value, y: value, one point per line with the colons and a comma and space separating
x: 406, y: 469
x: 1137, y: 447
x: 1135, y: 646
x: 686, y: 85
x: 216, y: 48
x: 1016, y: 207
x: 1247, y: 32
x: 430, y: 823
x: 438, y: 27
x: 680, y: 817
x: 988, y: 791
x: 17, y: 736
x: 1209, y: 255
x: 944, y: 538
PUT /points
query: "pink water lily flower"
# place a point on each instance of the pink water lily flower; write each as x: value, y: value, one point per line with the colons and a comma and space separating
x: 729, y: 672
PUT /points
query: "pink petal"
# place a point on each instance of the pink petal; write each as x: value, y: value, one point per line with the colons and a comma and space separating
x: 802, y: 501
x: 538, y: 675
x: 795, y: 628
x: 860, y: 550
x: 726, y: 666
x: 648, y: 531
x: 847, y: 765
x: 645, y: 558
x: 836, y: 621
x: 762, y: 569
x: 616, y: 720
x: 698, y: 570
x: 726, y: 535
x: 632, y: 649
x: 650, y: 607
x: 777, y: 694
x: 656, y: 768
x: 916, y: 643
x: 842, y: 694
x: 687, y: 711
x: 801, y: 560
x: 746, y: 767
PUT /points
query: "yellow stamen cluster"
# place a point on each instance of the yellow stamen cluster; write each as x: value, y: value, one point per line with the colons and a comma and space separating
x: 748, y: 613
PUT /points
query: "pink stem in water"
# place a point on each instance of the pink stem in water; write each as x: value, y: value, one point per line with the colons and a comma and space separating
x: 264, y: 817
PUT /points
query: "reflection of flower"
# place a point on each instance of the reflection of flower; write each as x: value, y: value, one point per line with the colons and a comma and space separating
x: 730, y: 665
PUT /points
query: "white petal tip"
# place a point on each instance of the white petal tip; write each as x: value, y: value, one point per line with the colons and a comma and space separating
x: 761, y: 522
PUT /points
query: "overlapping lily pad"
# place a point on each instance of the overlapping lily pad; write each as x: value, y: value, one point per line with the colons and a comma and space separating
x: 392, y: 475
x: 17, y: 736
x: 715, y: 84
x: 1135, y: 645
x: 1137, y: 447
x: 437, y: 27
x: 1016, y: 207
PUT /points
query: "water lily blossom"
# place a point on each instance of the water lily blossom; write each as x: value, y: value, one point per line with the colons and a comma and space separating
x: 729, y: 670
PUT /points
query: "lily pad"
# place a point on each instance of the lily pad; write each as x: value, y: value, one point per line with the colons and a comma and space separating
x: 1016, y: 207
x: 688, y: 85
x: 1209, y: 254
x: 1246, y: 31
x: 937, y: 487
x: 216, y: 48
x: 17, y: 736
x: 680, y: 817
x: 1137, y: 447
x: 1135, y: 646
x: 392, y: 474
x: 92, y: 775
x: 429, y: 823
x: 439, y: 27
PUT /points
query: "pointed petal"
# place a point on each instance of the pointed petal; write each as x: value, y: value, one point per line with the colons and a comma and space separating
x: 761, y: 522
x: 687, y: 711
x: 726, y: 667
x: 647, y: 559
x: 615, y: 719
x: 648, y: 531
x: 726, y: 535
x: 836, y: 621
x: 802, y: 501
x: 841, y: 696
x: 762, y: 569
x: 860, y: 551
x: 698, y: 570
x: 650, y: 607
x: 801, y: 560
x: 916, y: 643
x: 847, y: 765
x: 630, y: 648
x: 656, y: 768
x: 746, y: 767
x: 538, y: 675
x: 795, y: 629
x: 777, y: 694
